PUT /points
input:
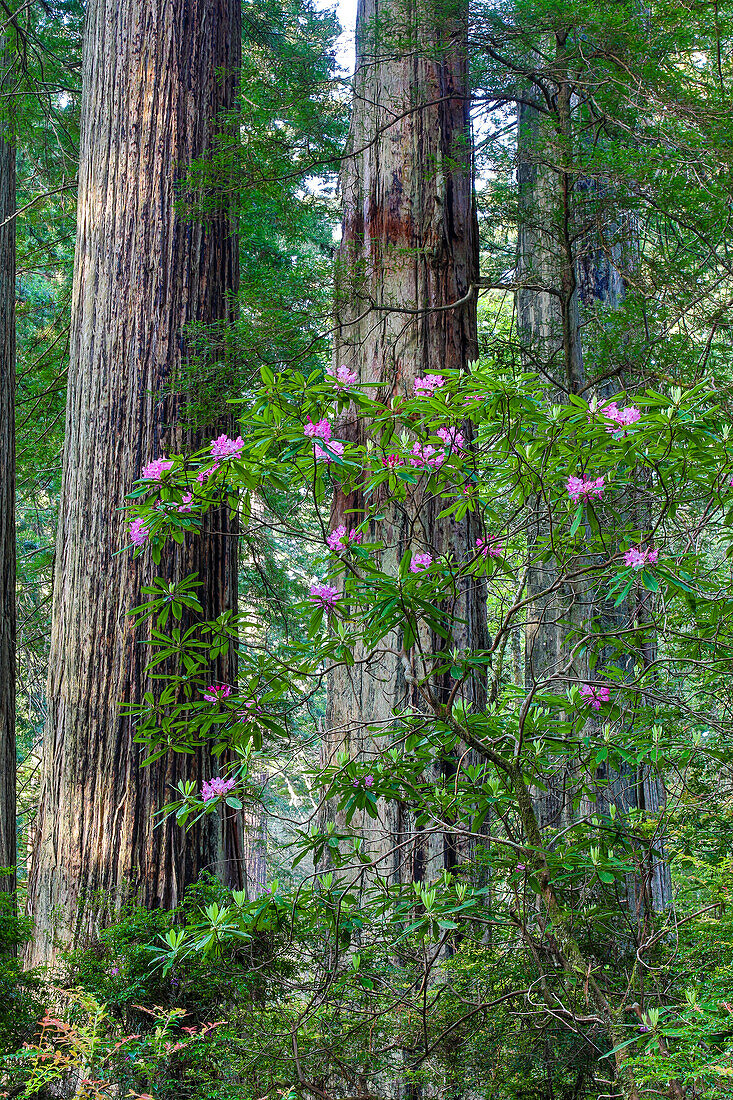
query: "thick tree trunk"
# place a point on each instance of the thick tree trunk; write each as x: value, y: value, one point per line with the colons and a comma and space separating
x: 156, y: 75
x: 405, y: 308
x: 7, y: 509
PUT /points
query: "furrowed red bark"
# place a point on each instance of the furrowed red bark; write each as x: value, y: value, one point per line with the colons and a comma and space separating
x: 7, y: 505
x: 156, y: 75
x: 405, y: 307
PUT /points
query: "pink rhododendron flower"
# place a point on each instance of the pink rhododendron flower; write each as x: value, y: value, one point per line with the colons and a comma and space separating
x: 139, y: 533
x: 420, y: 562
x: 594, y: 696
x: 425, y: 455
x: 185, y: 505
x: 393, y: 461
x: 637, y: 558
x: 155, y: 470
x: 324, y: 595
x: 368, y: 780
x: 202, y: 476
x: 452, y: 438
x: 585, y: 488
x: 426, y: 386
x: 216, y: 788
x: 320, y: 430
x: 490, y: 548
x: 224, y: 447
x: 622, y: 418
x: 341, y: 376
x: 216, y: 692
x: 334, y: 449
x: 340, y: 539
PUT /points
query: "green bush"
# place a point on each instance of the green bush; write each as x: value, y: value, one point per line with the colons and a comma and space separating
x: 21, y: 991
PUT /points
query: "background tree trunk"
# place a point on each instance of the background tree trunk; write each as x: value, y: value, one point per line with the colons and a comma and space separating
x: 567, y: 244
x: 7, y: 502
x: 156, y: 75
x: 409, y: 250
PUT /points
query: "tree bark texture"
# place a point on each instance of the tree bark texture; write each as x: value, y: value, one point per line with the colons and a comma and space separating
x: 156, y: 75
x: 7, y: 507
x: 405, y: 307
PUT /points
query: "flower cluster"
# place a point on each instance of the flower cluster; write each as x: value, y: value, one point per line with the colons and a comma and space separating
x: 341, y: 539
x: 622, y: 418
x: 320, y: 430
x: 423, y: 455
x: 452, y: 438
x: 393, y: 461
x: 332, y: 449
x: 580, y: 488
x: 637, y: 558
x: 425, y: 387
x: 594, y: 696
x: 139, y: 533
x: 155, y: 470
x: 224, y: 447
x: 324, y: 595
x: 368, y: 781
x: 341, y: 376
x: 420, y: 562
x: 216, y: 788
x: 490, y: 547
x: 216, y: 692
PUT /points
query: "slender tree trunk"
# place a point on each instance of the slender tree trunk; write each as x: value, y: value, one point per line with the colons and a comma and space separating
x: 583, y: 276
x: 156, y: 75
x: 7, y: 505
x: 547, y: 321
x: 409, y: 251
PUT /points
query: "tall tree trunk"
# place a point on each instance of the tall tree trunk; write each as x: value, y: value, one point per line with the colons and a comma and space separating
x: 156, y: 75
x: 7, y: 505
x: 582, y: 272
x: 405, y: 307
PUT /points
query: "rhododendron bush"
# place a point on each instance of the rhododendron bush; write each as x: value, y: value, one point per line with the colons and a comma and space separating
x: 619, y: 514
x: 608, y: 502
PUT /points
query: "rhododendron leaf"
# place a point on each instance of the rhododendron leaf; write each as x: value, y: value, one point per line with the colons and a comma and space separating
x: 623, y: 594
x: 152, y: 757
x: 577, y: 520
x: 649, y: 581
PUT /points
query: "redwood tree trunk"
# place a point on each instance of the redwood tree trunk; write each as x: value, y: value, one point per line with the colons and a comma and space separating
x: 7, y: 510
x: 156, y: 75
x: 409, y: 251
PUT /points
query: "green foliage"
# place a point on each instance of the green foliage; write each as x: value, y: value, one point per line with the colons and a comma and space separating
x: 369, y: 945
x: 537, y: 966
x: 274, y: 165
x: 21, y: 991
